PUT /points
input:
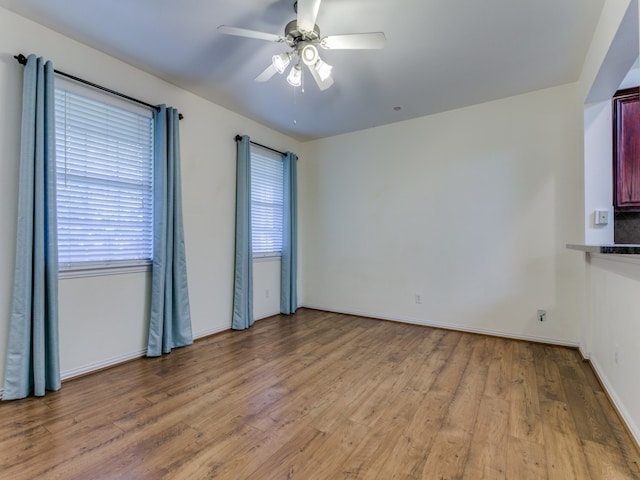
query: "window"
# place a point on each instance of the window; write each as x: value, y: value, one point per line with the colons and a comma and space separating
x: 104, y: 179
x: 267, y: 185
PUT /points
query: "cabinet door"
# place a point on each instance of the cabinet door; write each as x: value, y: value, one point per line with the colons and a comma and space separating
x: 626, y: 161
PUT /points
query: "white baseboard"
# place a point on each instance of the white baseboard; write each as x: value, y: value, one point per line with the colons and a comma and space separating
x: 213, y: 331
x: 93, y: 367
x: 267, y: 315
x: 447, y: 326
x: 585, y: 355
x: 622, y: 411
x: 112, y: 362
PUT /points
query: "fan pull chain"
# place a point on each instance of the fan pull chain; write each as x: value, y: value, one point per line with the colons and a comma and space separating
x: 295, y: 104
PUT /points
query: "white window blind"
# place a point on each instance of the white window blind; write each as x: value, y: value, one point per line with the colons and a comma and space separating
x: 104, y: 179
x: 267, y: 185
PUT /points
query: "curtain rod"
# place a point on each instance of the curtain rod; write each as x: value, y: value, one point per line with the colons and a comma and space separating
x: 238, y: 138
x: 22, y: 60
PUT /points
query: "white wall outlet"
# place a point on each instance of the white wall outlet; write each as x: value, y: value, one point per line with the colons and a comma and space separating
x: 542, y: 315
x: 616, y: 354
x: 418, y: 298
x: 267, y: 293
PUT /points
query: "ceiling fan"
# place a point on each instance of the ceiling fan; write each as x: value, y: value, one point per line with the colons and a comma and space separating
x: 303, y: 36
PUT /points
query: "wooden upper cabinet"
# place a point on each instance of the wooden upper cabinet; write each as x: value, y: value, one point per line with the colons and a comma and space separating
x: 626, y: 149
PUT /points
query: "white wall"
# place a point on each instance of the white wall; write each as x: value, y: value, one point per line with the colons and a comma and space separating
x: 266, y: 287
x: 598, y: 174
x: 103, y: 319
x: 610, y: 327
x: 471, y: 209
x: 614, y: 294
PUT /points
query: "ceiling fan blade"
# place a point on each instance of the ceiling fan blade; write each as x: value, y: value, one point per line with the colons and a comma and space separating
x: 268, y: 72
x: 322, y: 84
x: 354, y: 41
x: 307, y: 14
x: 243, y: 32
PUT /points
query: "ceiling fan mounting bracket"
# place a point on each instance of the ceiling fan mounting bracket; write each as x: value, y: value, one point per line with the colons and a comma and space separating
x: 295, y: 36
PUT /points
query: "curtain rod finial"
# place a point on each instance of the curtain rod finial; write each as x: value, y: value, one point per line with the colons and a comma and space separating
x: 22, y: 60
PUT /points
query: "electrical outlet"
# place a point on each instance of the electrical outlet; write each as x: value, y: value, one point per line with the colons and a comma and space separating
x: 616, y: 354
x: 267, y: 293
x: 418, y: 298
x: 542, y: 315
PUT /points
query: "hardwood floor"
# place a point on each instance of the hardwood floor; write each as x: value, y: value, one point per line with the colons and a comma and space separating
x: 327, y: 396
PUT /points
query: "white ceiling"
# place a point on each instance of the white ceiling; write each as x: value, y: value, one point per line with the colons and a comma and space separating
x: 439, y: 55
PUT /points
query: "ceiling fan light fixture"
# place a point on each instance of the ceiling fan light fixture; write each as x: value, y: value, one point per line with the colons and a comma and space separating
x: 323, y: 69
x: 309, y: 55
x: 281, y: 62
x: 295, y: 76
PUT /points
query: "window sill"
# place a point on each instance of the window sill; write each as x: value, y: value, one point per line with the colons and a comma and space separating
x: 267, y: 258
x: 94, y: 270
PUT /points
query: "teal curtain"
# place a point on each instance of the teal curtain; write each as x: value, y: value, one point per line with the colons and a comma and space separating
x: 170, y: 317
x: 243, y: 272
x: 289, y: 264
x: 32, y: 364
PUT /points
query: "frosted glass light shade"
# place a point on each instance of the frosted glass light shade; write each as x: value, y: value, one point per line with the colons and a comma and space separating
x: 281, y: 62
x: 295, y: 76
x: 323, y: 69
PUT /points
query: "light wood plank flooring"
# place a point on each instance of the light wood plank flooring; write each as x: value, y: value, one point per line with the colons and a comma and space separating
x: 327, y: 396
